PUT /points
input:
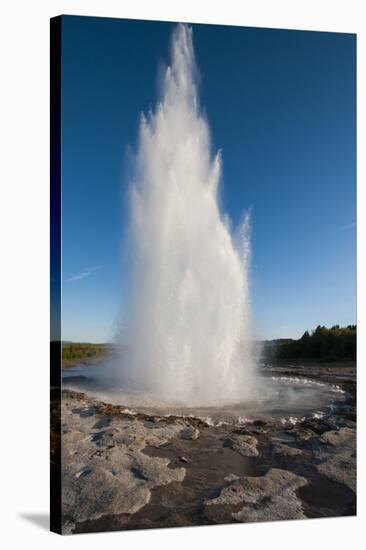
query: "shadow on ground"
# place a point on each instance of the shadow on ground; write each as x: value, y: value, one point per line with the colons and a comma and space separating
x: 40, y: 520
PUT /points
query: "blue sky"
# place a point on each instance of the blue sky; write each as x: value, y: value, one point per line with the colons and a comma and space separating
x: 281, y: 106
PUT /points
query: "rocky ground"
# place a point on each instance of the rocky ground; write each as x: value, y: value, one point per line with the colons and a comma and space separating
x: 124, y: 471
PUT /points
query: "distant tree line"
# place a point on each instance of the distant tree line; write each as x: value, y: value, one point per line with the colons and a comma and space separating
x: 327, y: 344
x: 72, y: 350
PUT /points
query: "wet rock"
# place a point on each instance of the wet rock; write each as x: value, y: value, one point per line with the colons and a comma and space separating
x: 83, y: 472
x: 102, y: 423
x: 338, y: 437
x: 242, y: 430
x: 303, y: 434
x: 279, y: 508
x: 260, y: 431
x: 340, y: 468
x: 85, y: 411
x: 317, y: 426
x: 337, y: 456
x: 190, y: 432
x: 283, y: 450
x: 104, y: 438
x: 110, y: 474
x: 231, y: 477
x: 266, y: 498
x: 245, y: 445
x: 258, y: 423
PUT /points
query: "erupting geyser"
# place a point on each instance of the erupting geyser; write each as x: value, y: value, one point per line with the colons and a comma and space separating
x: 190, y: 336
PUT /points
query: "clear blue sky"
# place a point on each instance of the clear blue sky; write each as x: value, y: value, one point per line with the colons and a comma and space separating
x: 281, y: 106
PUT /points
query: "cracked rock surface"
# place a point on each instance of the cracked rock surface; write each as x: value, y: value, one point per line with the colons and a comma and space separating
x: 132, y: 470
x: 245, y: 445
x: 265, y: 498
x: 104, y: 468
x: 337, y: 456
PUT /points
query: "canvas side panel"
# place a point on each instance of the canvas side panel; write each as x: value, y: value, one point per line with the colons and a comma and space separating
x: 55, y: 273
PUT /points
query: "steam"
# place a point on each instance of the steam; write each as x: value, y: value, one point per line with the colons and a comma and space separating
x: 190, y: 335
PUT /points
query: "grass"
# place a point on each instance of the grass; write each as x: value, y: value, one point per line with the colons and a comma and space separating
x: 76, y: 352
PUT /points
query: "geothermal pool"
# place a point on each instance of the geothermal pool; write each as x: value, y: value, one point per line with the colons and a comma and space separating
x: 283, y: 398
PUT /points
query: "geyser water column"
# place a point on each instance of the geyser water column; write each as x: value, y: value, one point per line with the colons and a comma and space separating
x: 190, y: 336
